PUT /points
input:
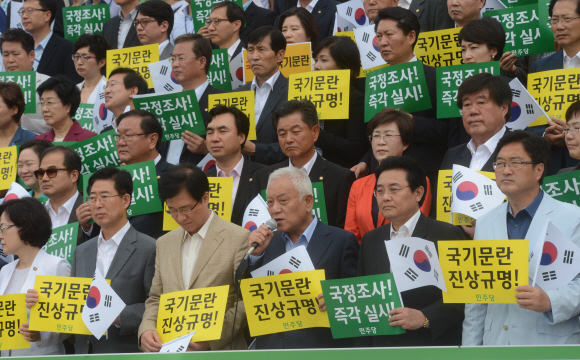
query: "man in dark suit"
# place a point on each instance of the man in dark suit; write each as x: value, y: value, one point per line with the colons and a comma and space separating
x: 324, y: 11
x: 122, y: 255
x: 119, y: 30
x: 227, y: 131
x: 331, y: 249
x: 400, y: 191
x: 224, y: 25
x: 266, y: 49
x: 123, y: 84
x: 432, y: 14
x: 255, y: 17
x: 154, y: 23
x: 463, y: 11
x: 57, y: 28
x: 297, y: 126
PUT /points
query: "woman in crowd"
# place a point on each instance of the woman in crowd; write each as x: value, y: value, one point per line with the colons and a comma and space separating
x: 11, y: 109
x: 90, y: 58
x: 342, y: 142
x: 298, y: 26
x: 572, y: 132
x: 25, y: 228
x: 60, y: 99
x: 29, y: 162
x: 390, y: 133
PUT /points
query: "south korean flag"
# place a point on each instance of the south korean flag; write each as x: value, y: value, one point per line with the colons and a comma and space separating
x: 293, y: 261
x: 237, y: 70
x: 366, y: 41
x: 473, y: 194
x: 102, y: 307
x: 256, y: 214
x: 342, y: 25
x: 178, y: 345
x: 525, y: 109
x: 414, y: 263
x: 162, y: 77
x: 353, y: 12
x: 554, y: 260
x: 102, y: 117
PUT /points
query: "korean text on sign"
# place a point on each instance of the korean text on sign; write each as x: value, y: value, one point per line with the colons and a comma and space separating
x: 297, y: 59
x: 439, y: 48
x: 202, y: 9
x: 329, y: 91
x: 136, y: 58
x: 27, y: 82
x: 60, y: 304
x: 242, y: 100
x: 219, y: 70
x: 555, y: 90
x: 12, y: 316
x: 97, y: 152
x: 199, y: 310
x: 220, y: 196
x: 80, y: 20
x: 8, y: 168
x: 283, y: 302
x: 360, y: 306
x: 483, y: 271
x: 63, y: 241
x: 564, y: 187
x: 84, y: 116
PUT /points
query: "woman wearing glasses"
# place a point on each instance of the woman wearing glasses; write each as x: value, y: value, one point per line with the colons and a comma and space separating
x: 29, y: 162
x: 11, y: 109
x: 59, y: 101
x: 390, y: 133
x: 572, y: 135
x: 25, y: 228
x: 90, y: 58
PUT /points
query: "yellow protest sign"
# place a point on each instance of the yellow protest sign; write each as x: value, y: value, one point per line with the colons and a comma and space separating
x: 12, y: 316
x: 439, y: 48
x: 444, y: 198
x: 363, y: 73
x: 169, y: 222
x: 8, y: 168
x: 328, y: 90
x: 483, y: 271
x: 283, y: 302
x: 137, y: 58
x: 242, y: 100
x: 298, y: 59
x: 60, y: 304
x: 554, y: 91
x: 199, y: 310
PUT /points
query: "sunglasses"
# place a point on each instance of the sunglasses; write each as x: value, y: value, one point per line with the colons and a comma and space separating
x: 51, y: 172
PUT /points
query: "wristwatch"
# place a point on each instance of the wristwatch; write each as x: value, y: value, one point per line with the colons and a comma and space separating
x: 426, y: 324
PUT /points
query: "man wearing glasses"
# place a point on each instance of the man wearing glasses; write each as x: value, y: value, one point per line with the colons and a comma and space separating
x: 154, y: 24
x: 224, y: 26
x: 203, y: 252
x: 120, y: 31
x: 539, y: 317
x: 123, y: 84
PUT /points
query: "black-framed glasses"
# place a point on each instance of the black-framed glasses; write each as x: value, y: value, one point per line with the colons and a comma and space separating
x: 104, y: 199
x: 391, y: 191
x: 214, y: 22
x: 174, y: 212
x: 512, y: 164
x: 29, y: 11
x: 128, y: 137
x: 50, y: 172
x: 5, y: 227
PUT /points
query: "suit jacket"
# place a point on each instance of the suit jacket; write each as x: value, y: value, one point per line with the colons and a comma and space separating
x: 256, y: 17
x: 336, y: 180
x: 75, y: 133
x: 331, y: 249
x: 445, y: 319
x: 220, y: 254
x: 56, y: 59
x: 21, y: 136
x: 324, y: 12
x: 244, y: 189
x: 552, y: 62
x: 111, y: 33
x: 569, y: 169
x: 58, y: 27
x: 432, y: 14
x: 268, y: 150
x: 166, y: 53
x: 82, y: 237
x: 241, y: 45
x: 487, y: 323
x: 131, y: 273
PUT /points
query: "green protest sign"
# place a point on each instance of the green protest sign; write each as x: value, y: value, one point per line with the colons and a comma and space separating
x: 202, y: 9
x: 219, y: 70
x: 27, y: 82
x: 449, y: 78
x: 514, y: 3
x: 80, y: 20
x: 63, y: 241
x: 564, y: 187
x: 400, y: 86
x: 360, y: 306
x: 84, y: 116
x: 177, y: 112
x: 523, y: 28
x: 319, y: 206
x: 97, y: 152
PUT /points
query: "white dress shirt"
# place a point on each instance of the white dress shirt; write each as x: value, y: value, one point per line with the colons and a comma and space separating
x: 232, y: 49
x: 407, y: 229
x: 405, y: 4
x: 39, y: 50
x: 262, y: 94
x: 571, y: 62
x: 308, y: 166
x: 64, y: 211
x: 106, y: 249
x: 190, y: 250
x: 124, y: 27
x: 310, y: 6
x: 235, y: 174
x: 483, y: 152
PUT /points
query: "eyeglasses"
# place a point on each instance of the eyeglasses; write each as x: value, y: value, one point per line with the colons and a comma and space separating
x: 143, y: 22
x: 181, y: 211
x: 50, y: 172
x: 84, y: 58
x: 6, y: 227
x: 387, y: 137
x: 512, y: 165
x: 29, y: 11
x: 181, y: 59
x: 128, y: 137
x: 390, y: 191
x: 573, y: 130
x: 214, y: 22
x: 48, y: 103
x: 111, y: 84
x: 104, y: 199
x: 566, y: 20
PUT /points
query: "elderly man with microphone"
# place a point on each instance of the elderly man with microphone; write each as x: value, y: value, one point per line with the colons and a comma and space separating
x: 290, y: 202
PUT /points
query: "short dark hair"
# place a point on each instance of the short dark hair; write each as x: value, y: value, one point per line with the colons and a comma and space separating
x: 122, y: 179
x: 132, y: 79
x: 406, y: 20
x: 38, y: 146
x: 404, y: 121
x: 277, y: 39
x: 50, y: 5
x: 233, y: 12
x: 485, y: 31
x: 158, y: 10
x: 306, y: 108
x: 97, y: 45
x: 18, y: 35
x: 200, y: 47
x: 241, y: 120
x: 553, y: 3
x: 573, y: 110
x: 183, y: 177
x: 307, y: 20
x: 416, y: 176
x: 149, y: 123
x: 65, y: 89
x: 31, y: 217
x: 72, y: 160
x: 344, y: 52
x: 535, y: 146
x: 499, y: 90
x: 12, y: 96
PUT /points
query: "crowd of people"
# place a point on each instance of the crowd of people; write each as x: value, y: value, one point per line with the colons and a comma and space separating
x: 379, y: 178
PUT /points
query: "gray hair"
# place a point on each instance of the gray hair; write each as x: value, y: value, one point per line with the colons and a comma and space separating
x: 300, y: 180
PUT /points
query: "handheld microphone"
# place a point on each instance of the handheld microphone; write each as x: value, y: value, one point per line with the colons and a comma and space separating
x: 272, y: 225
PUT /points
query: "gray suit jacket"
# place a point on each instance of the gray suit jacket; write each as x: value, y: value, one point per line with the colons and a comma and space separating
x: 166, y: 53
x: 131, y: 273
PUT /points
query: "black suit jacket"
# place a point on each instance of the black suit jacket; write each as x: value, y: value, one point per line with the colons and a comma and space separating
x: 111, y: 33
x: 336, y: 180
x: 256, y: 17
x: 324, y: 12
x: 433, y: 14
x: 241, y: 45
x: 445, y: 319
x: 56, y: 59
x: 58, y: 22
x: 243, y: 196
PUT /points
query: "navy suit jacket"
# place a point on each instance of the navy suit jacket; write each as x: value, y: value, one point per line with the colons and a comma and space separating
x: 256, y: 17
x: 56, y: 59
x: 552, y: 62
x: 433, y: 14
x: 324, y: 12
